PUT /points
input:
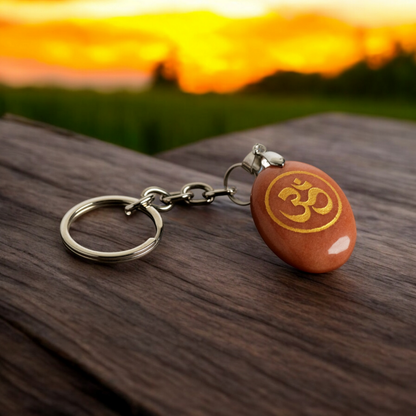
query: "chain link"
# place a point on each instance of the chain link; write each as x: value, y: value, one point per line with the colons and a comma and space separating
x: 220, y: 192
x: 199, y: 185
x: 176, y: 197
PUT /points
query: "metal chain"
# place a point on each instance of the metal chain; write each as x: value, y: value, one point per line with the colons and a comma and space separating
x: 256, y: 160
x: 170, y: 199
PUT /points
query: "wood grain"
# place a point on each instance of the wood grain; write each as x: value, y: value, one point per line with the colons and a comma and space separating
x: 211, y: 323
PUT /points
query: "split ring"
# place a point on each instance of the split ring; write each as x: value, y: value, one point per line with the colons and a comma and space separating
x: 110, y: 257
x: 226, y: 176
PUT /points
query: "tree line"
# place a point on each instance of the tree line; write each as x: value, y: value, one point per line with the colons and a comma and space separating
x: 396, y: 78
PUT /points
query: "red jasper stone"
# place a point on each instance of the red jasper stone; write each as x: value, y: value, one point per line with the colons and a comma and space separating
x: 304, y: 217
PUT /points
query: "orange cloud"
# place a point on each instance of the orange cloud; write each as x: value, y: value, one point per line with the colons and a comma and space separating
x: 211, y: 52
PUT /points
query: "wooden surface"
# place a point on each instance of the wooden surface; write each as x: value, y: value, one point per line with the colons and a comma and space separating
x: 210, y: 323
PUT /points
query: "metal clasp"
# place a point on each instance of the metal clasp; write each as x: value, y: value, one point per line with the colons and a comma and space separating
x: 259, y: 158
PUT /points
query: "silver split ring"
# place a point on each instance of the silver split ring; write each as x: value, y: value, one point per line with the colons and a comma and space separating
x: 226, y: 177
x: 110, y: 257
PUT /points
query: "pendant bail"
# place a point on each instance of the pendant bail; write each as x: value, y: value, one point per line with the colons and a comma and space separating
x: 259, y: 158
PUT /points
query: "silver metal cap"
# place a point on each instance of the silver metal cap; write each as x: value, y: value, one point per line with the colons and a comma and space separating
x: 259, y: 158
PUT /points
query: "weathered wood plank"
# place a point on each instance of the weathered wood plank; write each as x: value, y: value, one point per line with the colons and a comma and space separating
x: 211, y: 322
x: 34, y: 381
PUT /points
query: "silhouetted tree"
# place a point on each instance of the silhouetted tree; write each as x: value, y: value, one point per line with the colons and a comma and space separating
x: 165, y: 73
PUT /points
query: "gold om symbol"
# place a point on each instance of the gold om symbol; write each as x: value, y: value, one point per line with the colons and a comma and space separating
x: 310, y: 202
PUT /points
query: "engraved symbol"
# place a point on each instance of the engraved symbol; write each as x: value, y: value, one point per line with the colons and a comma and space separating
x: 313, y: 193
x: 333, y: 206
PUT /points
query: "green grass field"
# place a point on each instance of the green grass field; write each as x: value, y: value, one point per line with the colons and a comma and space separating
x: 158, y: 120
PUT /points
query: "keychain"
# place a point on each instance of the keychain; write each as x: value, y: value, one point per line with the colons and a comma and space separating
x: 300, y: 212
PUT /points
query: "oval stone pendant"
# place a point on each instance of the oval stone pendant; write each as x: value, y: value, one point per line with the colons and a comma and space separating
x: 303, y: 216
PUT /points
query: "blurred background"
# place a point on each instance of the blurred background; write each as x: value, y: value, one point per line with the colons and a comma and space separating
x: 155, y: 74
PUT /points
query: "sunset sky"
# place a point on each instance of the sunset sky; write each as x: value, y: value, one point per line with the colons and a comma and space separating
x: 217, y: 45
